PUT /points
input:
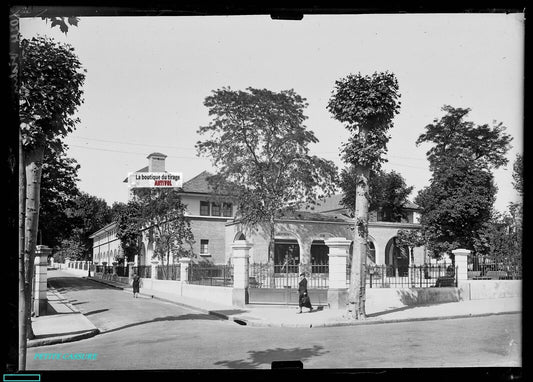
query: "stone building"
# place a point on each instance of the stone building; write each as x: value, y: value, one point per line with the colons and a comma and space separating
x: 299, y: 236
x: 207, y: 216
x: 106, y: 246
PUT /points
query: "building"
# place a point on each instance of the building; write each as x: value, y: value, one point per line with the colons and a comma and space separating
x: 299, y: 236
x: 207, y: 216
x: 106, y: 246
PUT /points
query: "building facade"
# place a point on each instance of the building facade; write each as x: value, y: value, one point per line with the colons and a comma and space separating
x: 106, y: 246
x: 299, y: 239
x: 299, y: 236
x: 207, y: 217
